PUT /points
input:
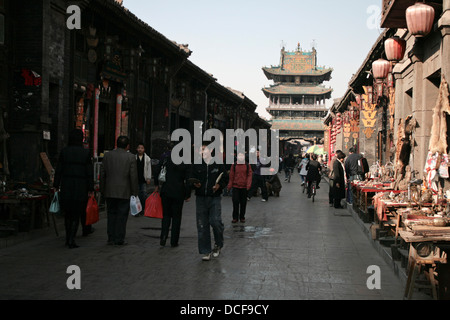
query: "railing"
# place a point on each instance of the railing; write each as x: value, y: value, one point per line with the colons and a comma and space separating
x: 315, y: 107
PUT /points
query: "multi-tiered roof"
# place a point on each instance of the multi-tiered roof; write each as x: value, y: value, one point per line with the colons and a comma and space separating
x: 297, y: 98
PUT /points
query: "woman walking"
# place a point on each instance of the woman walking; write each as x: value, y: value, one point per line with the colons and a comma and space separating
x: 74, y: 176
x: 174, y: 192
x: 240, y: 181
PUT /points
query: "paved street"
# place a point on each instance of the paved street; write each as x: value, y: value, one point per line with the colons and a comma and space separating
x: 289, y: 249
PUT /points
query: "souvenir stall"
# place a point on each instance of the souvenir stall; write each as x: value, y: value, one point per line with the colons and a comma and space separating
x: 414, y: 213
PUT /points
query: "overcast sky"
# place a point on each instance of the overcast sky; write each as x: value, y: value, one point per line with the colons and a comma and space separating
x: 234, y: 39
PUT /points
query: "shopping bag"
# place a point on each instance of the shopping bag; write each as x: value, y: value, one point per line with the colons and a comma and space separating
x: 153, y: 206
x: 135, y: 205
x: 92, y: 215
x: 55, y: 208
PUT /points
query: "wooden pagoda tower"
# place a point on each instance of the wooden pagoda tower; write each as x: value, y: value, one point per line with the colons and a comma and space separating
x: 297, y: 99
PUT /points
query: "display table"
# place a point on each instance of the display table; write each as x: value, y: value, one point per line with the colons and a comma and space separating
x: 419, y: 262
x: 38, y: 205
x: 363, y: 196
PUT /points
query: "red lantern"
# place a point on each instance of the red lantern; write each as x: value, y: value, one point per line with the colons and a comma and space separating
x: 395, y: 49
x: 420, y: 18
x: 381, y: 69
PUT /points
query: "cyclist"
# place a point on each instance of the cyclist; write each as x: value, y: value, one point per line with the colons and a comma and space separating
x: 314, y: 173
x: 289, y: 164
x: 303, y: 171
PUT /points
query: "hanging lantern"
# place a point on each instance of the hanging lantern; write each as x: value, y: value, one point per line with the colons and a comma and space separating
x: 420, y: 18
x: 381, y: 69
x: 395, y: 49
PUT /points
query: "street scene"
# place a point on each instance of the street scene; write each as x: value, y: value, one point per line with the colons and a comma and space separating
x: 204, y: 151
x: 289, y: 248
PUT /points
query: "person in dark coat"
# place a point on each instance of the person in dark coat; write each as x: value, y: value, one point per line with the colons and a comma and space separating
x: 331, y: 179
x: 339, y: 181
x: 173, y: 194
x: 274, y: 186
x: 211, y: 179
x: 74, y: 176
x: 314, y: 171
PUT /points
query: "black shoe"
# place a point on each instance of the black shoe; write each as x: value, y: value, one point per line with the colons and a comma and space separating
x: 163, y: 242
x: 174, y: 245
x: 121, y: 243
x: 86, y: 233
x: 73, y: 246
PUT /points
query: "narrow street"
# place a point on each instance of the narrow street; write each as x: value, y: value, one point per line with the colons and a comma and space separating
x: 289, y: 249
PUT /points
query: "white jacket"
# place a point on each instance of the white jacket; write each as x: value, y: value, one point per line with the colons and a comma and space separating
x: 147, y: 167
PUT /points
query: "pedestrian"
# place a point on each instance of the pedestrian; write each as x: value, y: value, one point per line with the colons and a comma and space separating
x: 303, y: 170
x: 74, y: 176
x: 118, y: 182
x: 364, y: 165
x: 340, y: 180
x: 258, y: 180
x: 289, y: 163
x: 314, y: 170
x: 240, y: 182
x: 174, y: 192
x: 331, y: 179
x: 210, y: 181
x: 353, y: 170
x: 144, y: 169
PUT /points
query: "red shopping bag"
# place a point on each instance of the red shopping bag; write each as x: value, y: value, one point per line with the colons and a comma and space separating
x: 153, y: 206
x: 92, y: 215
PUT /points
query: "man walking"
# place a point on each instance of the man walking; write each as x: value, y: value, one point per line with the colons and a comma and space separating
x: 144, y: 169
x: 118, y: 182
x: 353, y: 171
x: 209, y: 181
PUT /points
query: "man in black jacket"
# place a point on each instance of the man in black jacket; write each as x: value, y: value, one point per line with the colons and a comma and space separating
x: 353, y: 171
x: 209, y: 181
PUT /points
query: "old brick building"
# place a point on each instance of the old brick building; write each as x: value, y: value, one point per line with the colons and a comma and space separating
x: 116, y: 75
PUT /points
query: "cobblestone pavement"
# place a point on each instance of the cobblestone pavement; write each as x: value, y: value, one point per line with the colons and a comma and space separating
x: 289, y: 249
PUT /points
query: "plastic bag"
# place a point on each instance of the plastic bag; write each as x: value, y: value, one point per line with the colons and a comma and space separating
x: 153, y: 206
x: 55, y: 208
x: 135, y: 205
x: 92, y: 215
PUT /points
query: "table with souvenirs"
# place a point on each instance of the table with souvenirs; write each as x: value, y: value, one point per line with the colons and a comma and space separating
x: 416, y: 213
x: 24, y: 207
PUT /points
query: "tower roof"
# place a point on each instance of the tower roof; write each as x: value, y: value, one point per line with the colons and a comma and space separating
x: 298, y: 63
x: 283, y: 89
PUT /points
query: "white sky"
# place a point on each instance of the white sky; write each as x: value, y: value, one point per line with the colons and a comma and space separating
x: 234, y: 39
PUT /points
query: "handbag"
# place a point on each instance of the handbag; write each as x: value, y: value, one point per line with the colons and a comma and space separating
x: 92, y: 215
x: 153, y: 206
x: 55, y: 208
x: 135, y: 205
x: 163, y: 172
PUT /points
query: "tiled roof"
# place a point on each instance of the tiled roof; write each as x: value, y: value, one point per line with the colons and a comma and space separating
x: 298, y: 125
x: 297, y: 90
x: 269, y: 71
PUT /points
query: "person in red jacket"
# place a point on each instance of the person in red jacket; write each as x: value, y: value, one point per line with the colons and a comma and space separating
x: 241, y: 181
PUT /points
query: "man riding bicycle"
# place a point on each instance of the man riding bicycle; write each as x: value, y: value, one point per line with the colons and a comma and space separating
x: 314, y: 173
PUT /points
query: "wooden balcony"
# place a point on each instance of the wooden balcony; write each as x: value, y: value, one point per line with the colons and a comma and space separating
x: 394, y: 12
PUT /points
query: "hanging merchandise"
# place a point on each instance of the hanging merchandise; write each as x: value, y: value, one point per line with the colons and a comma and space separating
x: 437, y: 160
